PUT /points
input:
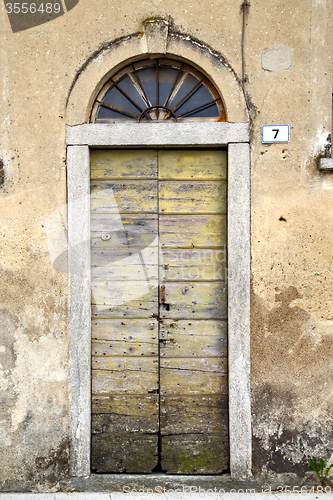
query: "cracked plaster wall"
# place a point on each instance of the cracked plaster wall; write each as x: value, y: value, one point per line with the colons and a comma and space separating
x: 292, y: 213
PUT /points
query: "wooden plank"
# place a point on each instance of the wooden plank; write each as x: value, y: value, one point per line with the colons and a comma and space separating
x: 194, y: 454
x: 127, y: 196
x: 124, y: 452
x: 134, y: 406
x: 124, y: 300
x: 198, y: 265
x: 107, y: 164
x: 123, y: 375
x: 178, y: 264
x: 192, y: 164
x: 124, y: 337
x: 125, y: 413
x: 192, y: 231
x: 195, y: 300
x: 194, y: 414
x: 193, y: 376
x: 186, y: 339
x: 124, y: 264
x: 203, y: 197
x: 127, y: 330
x: 113, y: 422
x: 135, y: 231
x: 114, y: 348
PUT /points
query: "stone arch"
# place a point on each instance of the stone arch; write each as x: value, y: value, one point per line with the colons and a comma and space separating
x: 156, y: 39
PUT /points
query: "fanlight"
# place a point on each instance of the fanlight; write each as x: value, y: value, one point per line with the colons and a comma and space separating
x: 158, y: 90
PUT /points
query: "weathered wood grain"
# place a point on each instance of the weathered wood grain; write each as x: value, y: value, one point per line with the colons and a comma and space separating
x: 134, y: 406
x: 193, y: 376
x: 127, y: 270
x: 179, y: 264
x: 121, y: 348
x: 194, y: 414
x: 192, y: 164
x: 124, y: 337
x: 128, y: 196
x: 125, y: 265
x: 186, y: 339
x: 113, y: 422
x: 124, y: 299
x: 199, y: 197
x: 198, y: 265
x: 125, y: 414
x: 106, y: 164
x: 124, y: 452
x: 134, y: 231
x: 138, y: 330
x: 192, y: 231
x: 194, y: 454
x: 195, y: 300
x: 123, y: 375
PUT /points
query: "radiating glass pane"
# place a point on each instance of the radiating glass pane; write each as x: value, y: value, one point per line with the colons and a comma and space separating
x: 148, y: 80
x: 115, y: 98
x: 108, y: 114
x: 167, y: 77
x: 209, y: 112
x: 200, y: 97
x: 128, y: 87
x: 188, y: 84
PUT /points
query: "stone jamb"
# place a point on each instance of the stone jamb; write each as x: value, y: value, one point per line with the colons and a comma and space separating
x: 236, y: 136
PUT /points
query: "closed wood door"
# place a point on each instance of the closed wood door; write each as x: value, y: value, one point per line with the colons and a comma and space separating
x: 159, y: 305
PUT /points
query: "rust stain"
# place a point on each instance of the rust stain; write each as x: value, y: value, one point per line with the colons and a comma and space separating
x: 163, y: 294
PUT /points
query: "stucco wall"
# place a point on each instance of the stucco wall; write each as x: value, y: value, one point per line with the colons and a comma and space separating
x: 292, y: 211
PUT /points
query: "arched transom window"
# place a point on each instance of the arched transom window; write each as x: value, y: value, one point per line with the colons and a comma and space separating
x: 158, y: 90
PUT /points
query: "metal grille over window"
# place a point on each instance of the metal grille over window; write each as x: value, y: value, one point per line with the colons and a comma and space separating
x: 158, y: 90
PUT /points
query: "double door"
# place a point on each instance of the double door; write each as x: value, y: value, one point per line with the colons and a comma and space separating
x: 159, y: 305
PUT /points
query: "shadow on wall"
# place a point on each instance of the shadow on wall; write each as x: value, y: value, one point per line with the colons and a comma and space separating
x: 26, y: 15
x: 291, y: 386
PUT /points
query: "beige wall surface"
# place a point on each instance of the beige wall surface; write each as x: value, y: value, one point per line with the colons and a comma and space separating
x: 288, y: 51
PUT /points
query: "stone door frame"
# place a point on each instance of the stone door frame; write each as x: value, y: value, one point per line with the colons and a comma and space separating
x: 234, y: 136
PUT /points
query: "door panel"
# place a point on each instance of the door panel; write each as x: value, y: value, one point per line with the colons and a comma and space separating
x: 124, y: 452
x: 192, y: 231
x: 121, y: 375
x: 105, y: 165
x: 192, y: 197
x: 195, y: 376
x: 198, y: 265
x: 124, y: 337
x: 194, y: 414
x: 117, y: 300
x: 195, y: 300
x: 192, y: 164
x: 124, y: 260
x: 159, y: 308
x: 198, y: 453
x: 129, y: 196
x: 207, y: 337
x: 134, y: 231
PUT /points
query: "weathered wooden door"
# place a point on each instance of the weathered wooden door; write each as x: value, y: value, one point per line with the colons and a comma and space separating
x: 159, y: 330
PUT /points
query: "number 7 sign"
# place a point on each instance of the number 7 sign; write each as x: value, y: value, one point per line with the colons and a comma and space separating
x: 275, y: 133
